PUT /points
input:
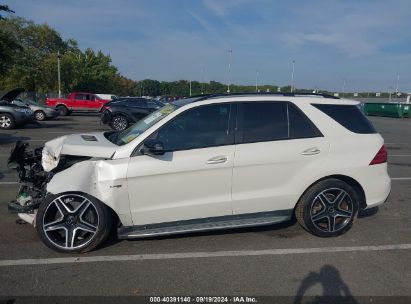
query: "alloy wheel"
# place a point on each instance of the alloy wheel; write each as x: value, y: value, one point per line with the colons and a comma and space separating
x: 331, y: 210
x: 5, y: 122
x: 120, y: 123
x: 70, y: 221
x: 40, y: 115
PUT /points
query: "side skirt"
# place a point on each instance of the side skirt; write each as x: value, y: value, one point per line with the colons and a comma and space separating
x: 205, y: 224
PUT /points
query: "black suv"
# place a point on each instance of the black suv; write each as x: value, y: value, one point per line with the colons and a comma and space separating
x: 12, y: 115
x: 121, y: 113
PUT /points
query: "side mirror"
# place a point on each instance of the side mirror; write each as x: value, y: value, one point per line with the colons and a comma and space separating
x: 153, y: 147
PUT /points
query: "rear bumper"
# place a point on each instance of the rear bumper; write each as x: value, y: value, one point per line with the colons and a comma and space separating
x: 376, y: 184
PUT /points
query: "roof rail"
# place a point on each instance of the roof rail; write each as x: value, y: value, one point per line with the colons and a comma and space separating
x: 289, y: 94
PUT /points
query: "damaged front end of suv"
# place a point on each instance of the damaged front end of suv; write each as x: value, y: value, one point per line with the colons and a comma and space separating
x: 35, y: 168
x: 71, y: 190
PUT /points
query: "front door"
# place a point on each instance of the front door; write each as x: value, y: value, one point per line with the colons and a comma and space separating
x: 193, y: 178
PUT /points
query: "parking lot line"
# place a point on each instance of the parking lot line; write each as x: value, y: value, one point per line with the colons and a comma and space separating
x: 398, y: 143
x: 195, y: 255
x: 399, y: 155
x: 75, y: 131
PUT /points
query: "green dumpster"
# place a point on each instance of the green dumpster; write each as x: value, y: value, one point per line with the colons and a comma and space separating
x: 387, y: 109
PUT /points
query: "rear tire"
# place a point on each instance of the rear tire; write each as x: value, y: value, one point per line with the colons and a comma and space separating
x: 328, y: 208
x: 7, y: 121
x: 73, y: 222
x: 63, y: 111
x: 40, y: 115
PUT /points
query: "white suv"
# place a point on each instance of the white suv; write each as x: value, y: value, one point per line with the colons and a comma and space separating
x: 207, y: 163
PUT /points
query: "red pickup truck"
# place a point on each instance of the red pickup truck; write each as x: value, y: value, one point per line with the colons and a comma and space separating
x: 77, y: 101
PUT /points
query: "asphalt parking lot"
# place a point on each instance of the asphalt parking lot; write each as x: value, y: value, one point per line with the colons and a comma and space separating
x: 372, y: 259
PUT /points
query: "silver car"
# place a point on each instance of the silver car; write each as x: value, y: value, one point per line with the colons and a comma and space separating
x: 41, y: 112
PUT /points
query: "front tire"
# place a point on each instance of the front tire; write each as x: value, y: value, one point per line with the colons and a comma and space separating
x: 73, y: 222
x: 7, y: 121
x: 328, y: 208
x: 119, y: 123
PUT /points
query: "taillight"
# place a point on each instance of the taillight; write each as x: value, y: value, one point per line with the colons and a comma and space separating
x: 380, y: 157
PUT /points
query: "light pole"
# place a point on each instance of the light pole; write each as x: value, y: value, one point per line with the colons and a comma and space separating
x: 292, y: 77
x: 344, y: 80
x: 202, y: 82
x: 230, y: 53
x: 256, y: 81
x: 58, y: 72
x: 398, y: 81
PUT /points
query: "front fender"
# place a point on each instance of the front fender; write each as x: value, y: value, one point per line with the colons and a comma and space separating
x: 103, y: 179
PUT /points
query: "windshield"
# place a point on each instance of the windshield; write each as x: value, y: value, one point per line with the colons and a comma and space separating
x: 18, y: 103
x: 142, y: 125
x: 31, y: 102
x: 26, y: 102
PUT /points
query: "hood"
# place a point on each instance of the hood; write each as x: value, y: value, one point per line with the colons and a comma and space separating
x: 87, y: 144
x: 11, y: 95
x: 42, y: 107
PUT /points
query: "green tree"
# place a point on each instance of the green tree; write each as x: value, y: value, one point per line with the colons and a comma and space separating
x: 149, y: 87
x: 9, y: 44
x: 30, y: 60
x: 36, y: 43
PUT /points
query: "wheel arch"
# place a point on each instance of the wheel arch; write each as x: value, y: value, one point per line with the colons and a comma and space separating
x: 99, y: 180
x: 120, y: 113
x: 347, y: 179
x: 61, y: 104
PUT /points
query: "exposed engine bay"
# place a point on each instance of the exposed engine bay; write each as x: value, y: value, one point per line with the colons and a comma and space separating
x: 33, y: 178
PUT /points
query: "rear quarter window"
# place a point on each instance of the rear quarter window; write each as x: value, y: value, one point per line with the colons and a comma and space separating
x: 299, y: 124
x: 349, y: 116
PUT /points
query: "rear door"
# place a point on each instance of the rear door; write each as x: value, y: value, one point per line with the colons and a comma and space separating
x: 278, y: 148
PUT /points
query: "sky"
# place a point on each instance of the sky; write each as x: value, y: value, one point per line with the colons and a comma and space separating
x: 363, y: 44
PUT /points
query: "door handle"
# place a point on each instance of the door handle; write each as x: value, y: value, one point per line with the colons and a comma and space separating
x: 311, y: 151
x: 217, y: 160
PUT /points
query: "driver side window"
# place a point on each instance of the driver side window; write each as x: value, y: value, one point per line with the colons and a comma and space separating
x: 201, y: 127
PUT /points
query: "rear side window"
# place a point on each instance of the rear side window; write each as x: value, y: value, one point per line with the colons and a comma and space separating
x: 349, y: 116
x: 269, y: 121
x: 300, y: 125
x: 264, y: 121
